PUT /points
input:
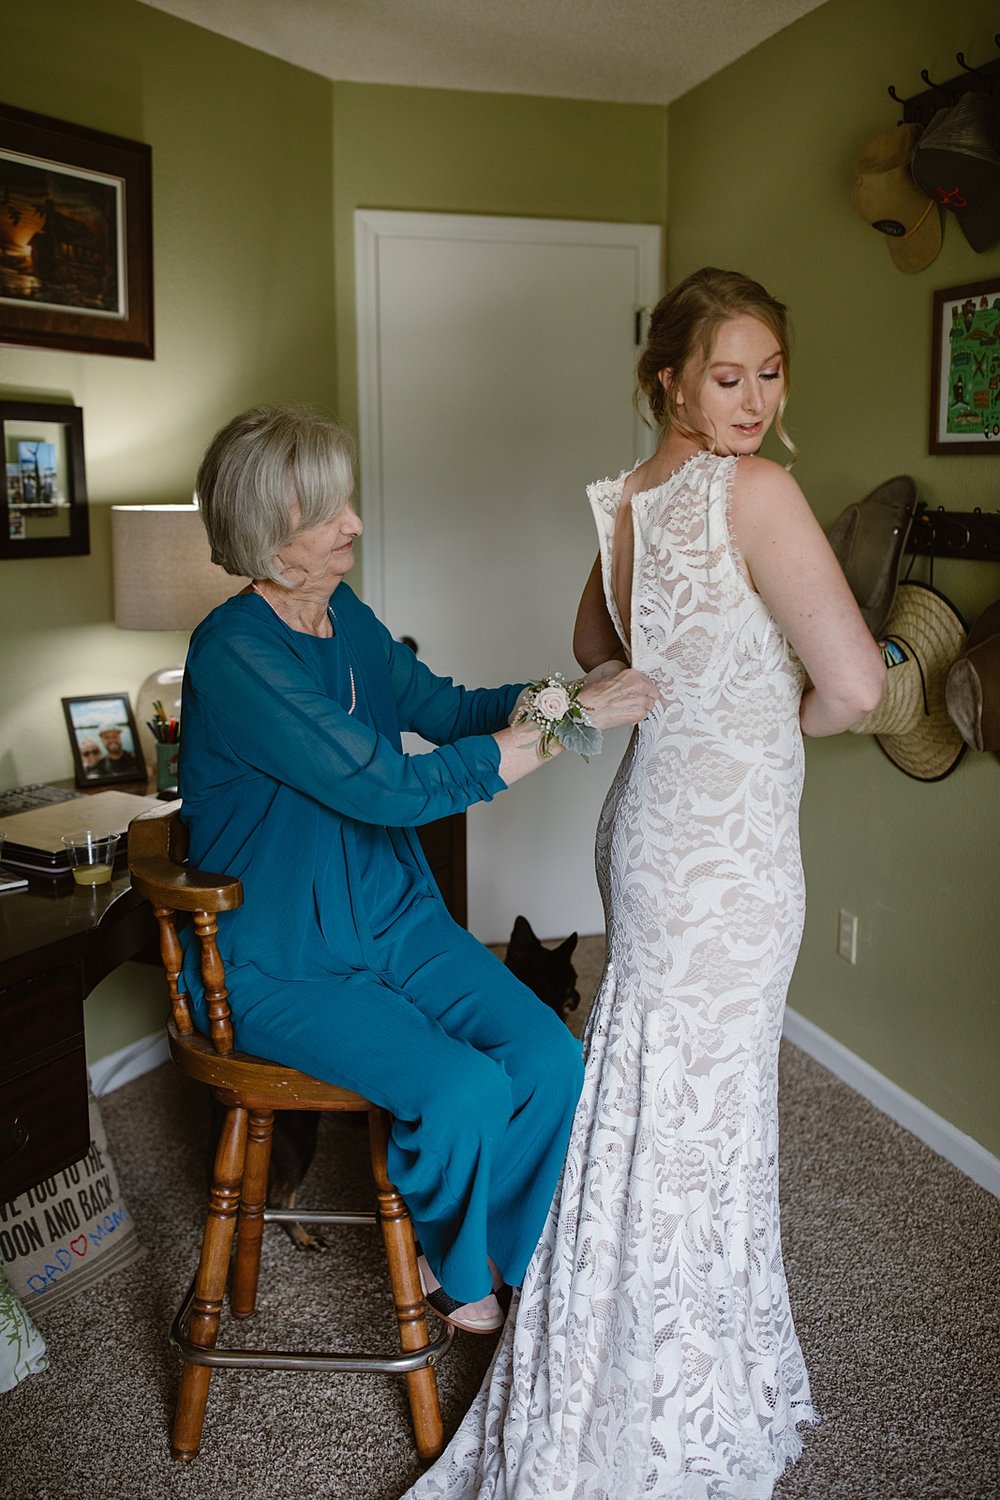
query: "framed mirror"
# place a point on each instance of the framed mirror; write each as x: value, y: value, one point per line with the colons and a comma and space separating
x: 45, y: 489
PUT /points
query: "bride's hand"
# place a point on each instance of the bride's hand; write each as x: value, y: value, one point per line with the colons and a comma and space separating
x: 606, y: 669
x: 620, y: 697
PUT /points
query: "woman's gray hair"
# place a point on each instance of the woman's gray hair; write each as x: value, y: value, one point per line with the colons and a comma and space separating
x: 256, y: 470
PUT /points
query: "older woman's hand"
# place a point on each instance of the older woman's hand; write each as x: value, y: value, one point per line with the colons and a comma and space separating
x: 613, y: 694
x: 616, y: 694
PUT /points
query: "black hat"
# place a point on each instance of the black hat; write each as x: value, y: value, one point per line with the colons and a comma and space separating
x: 957, y: 163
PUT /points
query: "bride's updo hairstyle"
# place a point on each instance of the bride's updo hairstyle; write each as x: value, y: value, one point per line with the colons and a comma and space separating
x: 683, y: 328
x: 260, y: 466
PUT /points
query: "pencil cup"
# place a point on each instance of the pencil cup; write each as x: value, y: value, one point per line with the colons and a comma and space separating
x: 91, y: 856
x: 166, y: 767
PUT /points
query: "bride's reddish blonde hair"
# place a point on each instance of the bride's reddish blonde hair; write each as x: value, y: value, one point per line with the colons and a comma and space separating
x: 683, y: 327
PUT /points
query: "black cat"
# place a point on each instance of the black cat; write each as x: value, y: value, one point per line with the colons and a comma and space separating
x: 547, y: 971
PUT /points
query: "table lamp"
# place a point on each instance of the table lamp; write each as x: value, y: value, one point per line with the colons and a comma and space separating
x: 164, y: 579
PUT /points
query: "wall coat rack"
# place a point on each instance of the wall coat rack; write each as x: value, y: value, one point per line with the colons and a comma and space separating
x: 956, y: 533
x: 921, y: 108
x: 952, y: 533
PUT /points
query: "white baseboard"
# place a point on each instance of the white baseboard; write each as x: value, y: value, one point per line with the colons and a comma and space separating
x: 944, y: 1138
x: 120, y: 1067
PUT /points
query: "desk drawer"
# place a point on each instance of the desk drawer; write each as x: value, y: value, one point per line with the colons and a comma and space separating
x: 44, y: 1122
x: 39, y: 1019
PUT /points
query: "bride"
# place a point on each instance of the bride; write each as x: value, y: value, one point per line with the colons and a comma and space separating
x: 651, y: 1354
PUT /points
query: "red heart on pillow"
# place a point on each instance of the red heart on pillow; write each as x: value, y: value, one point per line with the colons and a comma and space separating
x: 79, y: 1246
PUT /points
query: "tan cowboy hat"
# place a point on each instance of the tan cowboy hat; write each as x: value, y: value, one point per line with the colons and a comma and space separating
x: 972, y: 689
x: 924, y: 635
x: 869, y: 539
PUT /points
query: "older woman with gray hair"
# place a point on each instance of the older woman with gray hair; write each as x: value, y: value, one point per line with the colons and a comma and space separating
x: 343, y: 960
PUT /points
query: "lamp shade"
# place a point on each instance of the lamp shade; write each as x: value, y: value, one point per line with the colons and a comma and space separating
x: 164, y: 576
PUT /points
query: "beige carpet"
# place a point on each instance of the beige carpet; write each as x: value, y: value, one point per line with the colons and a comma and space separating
x: 893, y: 1259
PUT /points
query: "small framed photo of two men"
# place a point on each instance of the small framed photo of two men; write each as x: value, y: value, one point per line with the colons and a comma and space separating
x: 104, y: 740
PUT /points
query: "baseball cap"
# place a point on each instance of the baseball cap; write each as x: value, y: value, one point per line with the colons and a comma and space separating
x: 887, y: 198
x: 957, y: 162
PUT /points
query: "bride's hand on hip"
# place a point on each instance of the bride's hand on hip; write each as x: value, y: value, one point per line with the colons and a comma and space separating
x: 622, y: 698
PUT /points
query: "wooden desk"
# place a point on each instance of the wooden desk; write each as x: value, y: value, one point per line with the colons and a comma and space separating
x: 443, y: 844
x: 57, y: 941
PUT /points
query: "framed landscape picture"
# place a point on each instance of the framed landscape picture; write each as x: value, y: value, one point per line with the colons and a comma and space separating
x: 965, y: 369
x: 76, y: 243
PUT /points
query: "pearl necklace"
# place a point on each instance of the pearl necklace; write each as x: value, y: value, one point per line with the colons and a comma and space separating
x: 333, y: 616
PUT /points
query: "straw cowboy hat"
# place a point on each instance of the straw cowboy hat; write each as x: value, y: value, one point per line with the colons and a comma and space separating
x: 972, y: 688
x: 924, y: 636
x: 868, y: 540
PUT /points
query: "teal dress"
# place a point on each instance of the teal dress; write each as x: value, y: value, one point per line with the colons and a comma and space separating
x: 343, y: 960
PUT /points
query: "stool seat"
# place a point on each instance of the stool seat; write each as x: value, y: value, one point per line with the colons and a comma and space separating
x: 252, y: 1091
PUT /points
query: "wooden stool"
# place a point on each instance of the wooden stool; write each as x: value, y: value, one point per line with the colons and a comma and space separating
x: 251, y: 1090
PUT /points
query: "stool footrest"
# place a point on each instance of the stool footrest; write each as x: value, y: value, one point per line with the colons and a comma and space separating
x: 319, y: 1216
x: 277, y: 1359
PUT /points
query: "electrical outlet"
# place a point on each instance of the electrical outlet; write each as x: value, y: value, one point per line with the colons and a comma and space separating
x: 847, y: 936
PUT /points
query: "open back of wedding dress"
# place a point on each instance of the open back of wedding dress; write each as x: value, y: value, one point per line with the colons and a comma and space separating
x: 651, y: 1353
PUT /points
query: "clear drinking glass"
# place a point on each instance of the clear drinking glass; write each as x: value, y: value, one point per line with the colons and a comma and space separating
x: 91, y: 856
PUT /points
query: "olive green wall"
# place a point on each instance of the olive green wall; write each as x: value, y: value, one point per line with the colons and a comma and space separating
x: 760, y: 166
x: 243, y: 300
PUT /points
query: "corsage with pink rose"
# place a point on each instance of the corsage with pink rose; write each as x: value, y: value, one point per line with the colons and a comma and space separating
x: 554, y: 705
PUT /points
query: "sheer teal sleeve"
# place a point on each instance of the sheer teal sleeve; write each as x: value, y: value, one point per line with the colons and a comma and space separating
x: 251, y: 701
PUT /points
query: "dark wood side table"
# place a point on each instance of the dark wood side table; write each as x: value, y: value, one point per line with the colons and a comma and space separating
x: 57, y: 941
x: 443, y: 844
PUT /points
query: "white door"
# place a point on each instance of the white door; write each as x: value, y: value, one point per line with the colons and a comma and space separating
x: 496, y: 364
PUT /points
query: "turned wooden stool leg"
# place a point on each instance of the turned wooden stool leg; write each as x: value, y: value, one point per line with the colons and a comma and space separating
x: 250, y: 1224
x: 407, y: 1293
x: 210, y: 1284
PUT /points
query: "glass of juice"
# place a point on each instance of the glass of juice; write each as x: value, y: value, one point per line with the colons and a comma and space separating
x: 91, y: 856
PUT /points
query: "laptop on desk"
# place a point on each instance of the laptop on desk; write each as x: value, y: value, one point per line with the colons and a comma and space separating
x: 34, y: 840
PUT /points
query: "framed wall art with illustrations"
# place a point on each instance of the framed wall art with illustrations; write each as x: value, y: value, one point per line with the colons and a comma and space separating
x: 965, y: 369
x: 76, y: 243
x: 104, y: 739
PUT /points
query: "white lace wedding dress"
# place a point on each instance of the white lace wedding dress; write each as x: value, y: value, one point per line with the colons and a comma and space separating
x: 651, y: 1353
